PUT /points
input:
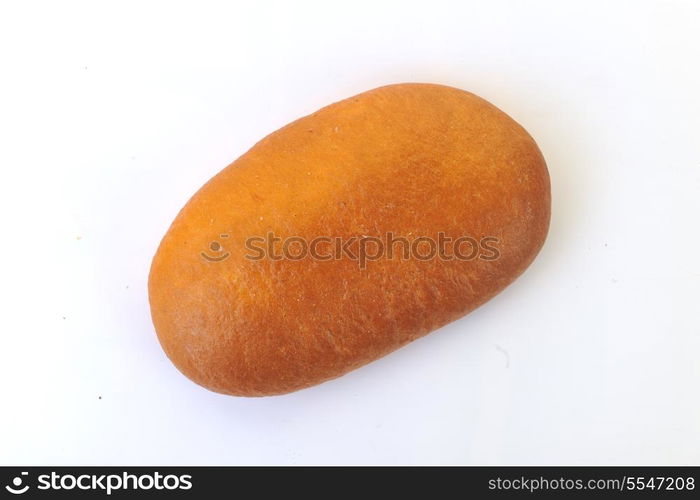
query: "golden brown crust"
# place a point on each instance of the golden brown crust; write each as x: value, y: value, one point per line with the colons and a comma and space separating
x: 411, y: 159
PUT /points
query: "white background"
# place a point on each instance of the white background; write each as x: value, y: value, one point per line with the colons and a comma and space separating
x: 111, y: 116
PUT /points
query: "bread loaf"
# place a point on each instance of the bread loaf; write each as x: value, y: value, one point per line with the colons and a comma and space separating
x: 242, y: 310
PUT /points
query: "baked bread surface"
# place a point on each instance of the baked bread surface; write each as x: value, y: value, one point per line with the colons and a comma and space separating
x: 413, y: 160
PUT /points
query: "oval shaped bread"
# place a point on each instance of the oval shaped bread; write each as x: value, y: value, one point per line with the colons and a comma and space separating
x: 412, y: 160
